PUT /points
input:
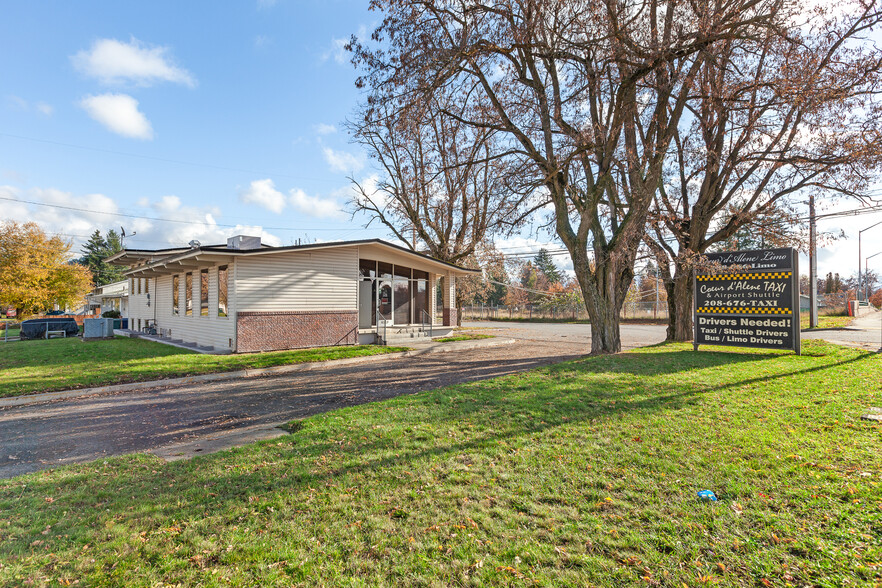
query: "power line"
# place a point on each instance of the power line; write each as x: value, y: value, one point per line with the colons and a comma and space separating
x: 166, y: 220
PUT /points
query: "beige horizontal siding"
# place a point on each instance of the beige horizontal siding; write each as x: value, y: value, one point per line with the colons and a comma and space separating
x: 298, y: 281
x: 137, y: 304
x: 211, y: 330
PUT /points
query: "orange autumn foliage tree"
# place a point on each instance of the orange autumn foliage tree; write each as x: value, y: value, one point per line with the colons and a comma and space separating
x: 35, y: 273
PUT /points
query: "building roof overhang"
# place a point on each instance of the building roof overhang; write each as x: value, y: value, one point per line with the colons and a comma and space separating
x: 175, y: 261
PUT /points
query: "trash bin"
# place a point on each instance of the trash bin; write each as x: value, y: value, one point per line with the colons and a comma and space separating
x: 125, y: 323
x: 117, y: 323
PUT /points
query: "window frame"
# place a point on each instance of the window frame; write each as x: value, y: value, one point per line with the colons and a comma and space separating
x: 204, y: 284
x: 188, y: 293
x: 225, y: 270
x: 176, y: 295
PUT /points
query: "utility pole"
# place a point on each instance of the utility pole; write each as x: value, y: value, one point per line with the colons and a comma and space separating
x: 813, y: 265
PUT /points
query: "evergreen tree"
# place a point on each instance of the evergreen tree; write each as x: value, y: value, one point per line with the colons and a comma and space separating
x: 545, y: 264
x: 95, y: 250
x: 828, y: 283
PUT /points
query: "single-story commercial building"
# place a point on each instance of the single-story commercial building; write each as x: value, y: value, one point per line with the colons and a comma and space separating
x: 247, y: 296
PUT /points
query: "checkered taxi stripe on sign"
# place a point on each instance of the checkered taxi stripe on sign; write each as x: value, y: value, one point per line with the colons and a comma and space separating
x: 749, y: 310
x: 761, y: 276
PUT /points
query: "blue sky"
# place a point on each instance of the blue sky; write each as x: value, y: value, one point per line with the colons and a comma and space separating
x: 226, y: 120
x: 181, y: 110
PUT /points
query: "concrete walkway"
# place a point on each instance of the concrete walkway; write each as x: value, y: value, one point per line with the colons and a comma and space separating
x: 864, y: 333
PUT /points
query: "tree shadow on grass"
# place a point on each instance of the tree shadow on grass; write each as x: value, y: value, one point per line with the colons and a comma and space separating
x: 500, y: 410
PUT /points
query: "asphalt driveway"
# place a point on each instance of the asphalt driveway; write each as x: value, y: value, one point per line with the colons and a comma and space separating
x: 186, y: 420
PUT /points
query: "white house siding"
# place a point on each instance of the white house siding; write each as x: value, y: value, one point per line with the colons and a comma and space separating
x: 211, y: 330
x: 323, y: 279
x: 138, y: 309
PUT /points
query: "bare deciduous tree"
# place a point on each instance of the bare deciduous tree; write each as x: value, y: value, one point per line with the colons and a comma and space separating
x: 441, y: 187
x: 772, y: 117
x: 584, y: 98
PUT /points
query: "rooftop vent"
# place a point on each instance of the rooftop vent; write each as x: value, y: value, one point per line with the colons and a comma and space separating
x: 194, y: 244
x: 243, y: 242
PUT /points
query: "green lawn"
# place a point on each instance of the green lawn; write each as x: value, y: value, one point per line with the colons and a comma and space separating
x: 825, y: 321
x: 28, y: 367
x: 584, y: 473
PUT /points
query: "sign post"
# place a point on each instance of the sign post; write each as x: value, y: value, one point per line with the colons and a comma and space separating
x: 756, y: 305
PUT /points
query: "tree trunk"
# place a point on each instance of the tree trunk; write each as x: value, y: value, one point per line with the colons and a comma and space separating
x: 604, y: 293
x: 680, y: 304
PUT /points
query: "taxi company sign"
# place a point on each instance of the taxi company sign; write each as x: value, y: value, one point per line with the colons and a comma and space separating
x: 756, y: 305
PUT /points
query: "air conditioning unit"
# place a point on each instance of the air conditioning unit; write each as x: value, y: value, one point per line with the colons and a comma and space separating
x: 243, y: 242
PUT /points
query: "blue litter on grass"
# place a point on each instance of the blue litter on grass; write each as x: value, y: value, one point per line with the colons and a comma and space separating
x: 707, y: 495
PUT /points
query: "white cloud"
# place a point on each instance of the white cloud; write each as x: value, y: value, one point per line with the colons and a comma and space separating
x: 264, y: 193
x: 315, y: 206
x: 20, y: 103
x: 90, y: 214
x: 337, y: 50
x: 343, y: 162
x: 325, y: 129
x: 114, y: 62
x: 166, y: 204
x: 118, y: 113
x: 261, y: 41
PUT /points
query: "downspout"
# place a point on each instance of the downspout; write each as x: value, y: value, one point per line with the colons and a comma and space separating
x: 234, y: 307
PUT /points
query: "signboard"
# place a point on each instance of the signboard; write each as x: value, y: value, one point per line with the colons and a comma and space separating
x: 756, y: 304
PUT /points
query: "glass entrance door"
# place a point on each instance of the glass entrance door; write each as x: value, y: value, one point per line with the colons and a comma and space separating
x: 402, y: 302
x: 384, y: 299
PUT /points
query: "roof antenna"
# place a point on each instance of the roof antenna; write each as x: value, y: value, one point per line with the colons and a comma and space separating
x: 122, y: 238
x: 194, y: 244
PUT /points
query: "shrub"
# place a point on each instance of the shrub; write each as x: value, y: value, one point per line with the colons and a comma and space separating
x: 111, y: 314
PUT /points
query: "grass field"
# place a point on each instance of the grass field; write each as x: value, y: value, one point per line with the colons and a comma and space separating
x: 28, y: 367
x: 825, y: 321
x: 584, y: 473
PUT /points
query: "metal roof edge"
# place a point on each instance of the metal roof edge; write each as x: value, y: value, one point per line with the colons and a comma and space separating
x: 179, y: 254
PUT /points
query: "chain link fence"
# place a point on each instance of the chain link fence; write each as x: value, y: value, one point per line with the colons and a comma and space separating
x: 631, y: 310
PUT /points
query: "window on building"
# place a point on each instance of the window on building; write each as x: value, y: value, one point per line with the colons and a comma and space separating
x: 139, y: 285
x: 367, y: 268
x: 188, y: 292
x: 222, y: 291
x: 203, y: 292
x: 146, y: 285
x: 176, y: 295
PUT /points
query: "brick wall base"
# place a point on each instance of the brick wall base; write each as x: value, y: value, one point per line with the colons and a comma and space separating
x: 448, y: 317
x: 273, y: 331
